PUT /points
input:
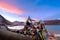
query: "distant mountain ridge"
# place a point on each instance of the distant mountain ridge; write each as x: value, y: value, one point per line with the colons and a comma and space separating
x: 52, y: 22
x: 16, y: 23
x: 4, y: 21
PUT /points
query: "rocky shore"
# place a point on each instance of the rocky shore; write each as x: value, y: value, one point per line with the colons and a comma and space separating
x: 7, y: 35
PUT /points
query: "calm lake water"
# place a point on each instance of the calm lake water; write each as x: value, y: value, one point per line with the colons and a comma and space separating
x: 53, y: 28
x: 50, y: 28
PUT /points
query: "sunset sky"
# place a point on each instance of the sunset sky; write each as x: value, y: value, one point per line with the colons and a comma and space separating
x: 19, y: 10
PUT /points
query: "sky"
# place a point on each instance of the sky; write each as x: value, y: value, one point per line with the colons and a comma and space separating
x: 19, y: 10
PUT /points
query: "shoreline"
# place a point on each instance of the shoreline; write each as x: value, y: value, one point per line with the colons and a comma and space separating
x: 11, y: 35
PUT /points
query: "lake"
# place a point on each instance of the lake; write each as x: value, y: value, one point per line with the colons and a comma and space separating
x: 53, y: 28
x: 50, y: 28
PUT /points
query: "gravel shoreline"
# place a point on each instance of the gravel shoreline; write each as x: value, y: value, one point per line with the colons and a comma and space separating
x: 7, y: 35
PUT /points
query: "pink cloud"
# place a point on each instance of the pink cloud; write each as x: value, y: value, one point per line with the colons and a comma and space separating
x: 24, y: 19
x: 10, y: 8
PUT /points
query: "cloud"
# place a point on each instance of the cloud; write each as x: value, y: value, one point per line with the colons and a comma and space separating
x: 10, y: 8
x: 35, y: 19
x: 24, y: 19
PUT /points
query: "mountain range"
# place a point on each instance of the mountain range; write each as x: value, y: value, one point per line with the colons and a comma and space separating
x: 6, y: 22
x: 15, y: 23
x: 52, y: 22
